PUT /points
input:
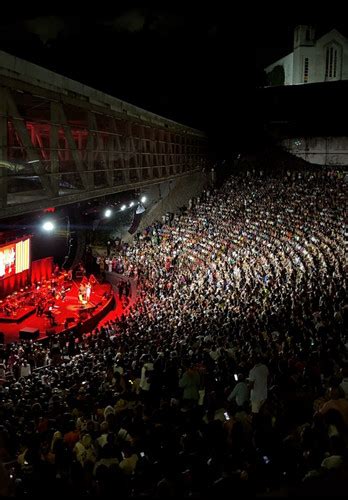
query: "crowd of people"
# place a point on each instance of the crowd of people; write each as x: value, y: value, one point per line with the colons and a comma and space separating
x: 229, y: 374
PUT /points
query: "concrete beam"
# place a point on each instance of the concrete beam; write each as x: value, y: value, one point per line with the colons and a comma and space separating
x: 34, y: 206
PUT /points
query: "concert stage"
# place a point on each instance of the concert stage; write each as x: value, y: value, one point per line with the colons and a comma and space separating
x: 36, y: 303
x: 22, y: 314
x: 68, y: 314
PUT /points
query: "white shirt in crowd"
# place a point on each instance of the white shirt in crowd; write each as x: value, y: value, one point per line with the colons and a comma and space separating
x: 259, y: 375
x: 214, y: 354
x: 25, y: 370
x: 240, y: 393
x: 144, y: 383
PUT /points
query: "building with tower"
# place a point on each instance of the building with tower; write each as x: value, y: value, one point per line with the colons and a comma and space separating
x: 313, y: 60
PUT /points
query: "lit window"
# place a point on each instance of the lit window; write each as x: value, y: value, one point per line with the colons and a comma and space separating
x: 331, y: 62
x: 327, y: 63
x: 335, y: 63
x: 306, y: 70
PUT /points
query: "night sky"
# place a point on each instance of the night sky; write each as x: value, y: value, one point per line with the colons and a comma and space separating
x: 198, y: 66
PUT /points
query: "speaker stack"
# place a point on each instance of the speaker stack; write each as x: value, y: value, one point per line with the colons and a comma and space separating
x: 29, y: 333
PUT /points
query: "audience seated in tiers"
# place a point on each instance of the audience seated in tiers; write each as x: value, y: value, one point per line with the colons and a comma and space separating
x: 249, y: 282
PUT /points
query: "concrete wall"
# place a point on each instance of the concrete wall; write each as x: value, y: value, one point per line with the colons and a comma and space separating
x: 287, y: 63
x: 169, y: 197
x: 320, y: 150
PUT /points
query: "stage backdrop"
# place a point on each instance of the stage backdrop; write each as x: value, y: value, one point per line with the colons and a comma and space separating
x: 41, y: 269
x: 13, y: 283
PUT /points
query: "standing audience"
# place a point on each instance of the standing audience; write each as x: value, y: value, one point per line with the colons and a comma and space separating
x: 249, y: 281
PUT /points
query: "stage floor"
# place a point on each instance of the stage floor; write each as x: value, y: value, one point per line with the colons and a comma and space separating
x: 69, y: 308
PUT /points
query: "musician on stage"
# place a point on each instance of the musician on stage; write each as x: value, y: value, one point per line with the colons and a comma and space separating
x: 82, y: 293
x: 48, y: 312
x: 50, y: 316
x: 7, y: 309
x: 88, y: 291
x: 40, y: 307
x: 63, y: 293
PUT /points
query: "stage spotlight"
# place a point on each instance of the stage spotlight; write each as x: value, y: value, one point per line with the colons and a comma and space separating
x: 123, y: 207
x: 48, y: 226
x: 131, y: 204
x: 143, y: 199
x: 108, y: 212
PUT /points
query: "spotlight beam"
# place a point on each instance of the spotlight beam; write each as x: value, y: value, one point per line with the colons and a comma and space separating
x: 48, y: 226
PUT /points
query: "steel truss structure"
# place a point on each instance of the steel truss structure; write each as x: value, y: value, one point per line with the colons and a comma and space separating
x: 57, y: 148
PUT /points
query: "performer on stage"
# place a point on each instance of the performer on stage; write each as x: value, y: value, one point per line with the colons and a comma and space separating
x: 8, y: 309
x: 82, y: 293
x: 50, y: 316
x: 63, y: 293
x: 40, y: 307
x: 88, y: 291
